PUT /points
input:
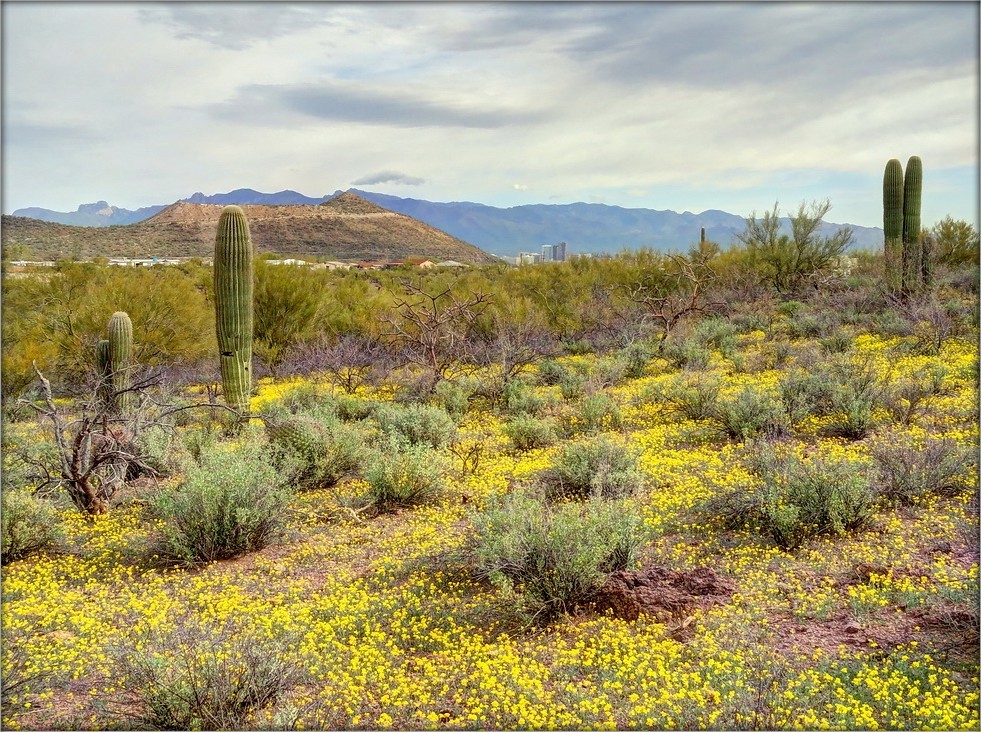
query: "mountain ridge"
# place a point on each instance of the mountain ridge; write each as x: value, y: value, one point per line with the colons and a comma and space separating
x: 587, y: 227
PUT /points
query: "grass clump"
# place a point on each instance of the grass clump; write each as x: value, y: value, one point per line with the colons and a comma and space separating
x: 554, y: 557
x: 29, y: 525
x: 230, y: 503
x: 600, y: 467
x: 797, y: 498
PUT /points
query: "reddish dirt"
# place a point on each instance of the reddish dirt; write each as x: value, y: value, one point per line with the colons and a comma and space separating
x: 667, y: 595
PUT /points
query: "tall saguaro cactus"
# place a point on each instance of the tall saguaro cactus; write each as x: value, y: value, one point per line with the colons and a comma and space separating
x: 120, y: 351
x: 892, y: 219
x: 103, y: 371
x: 912, y: 197
x: 233, y: 306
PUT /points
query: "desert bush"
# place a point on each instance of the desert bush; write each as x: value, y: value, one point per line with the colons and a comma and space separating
x: 635, y: 357
x: 599, y: 412
x: 607, y: 371
x: 716, y: 332
x: 29, y: 525
x: 406, y: 475
x: 314, y: 454
x: 838, y: 341
x: 911, y: 468
x: 550, y: 371
x: 554, y: 557
x: 520, y: 398
x: 600, y: 467
x: 354, y: 409
x: 230, y: 503
x: 686, y: 354
x: 454, y: 396
x: 205, y: 677
x: 906, y: 398
x: 528, y: 433
x: 748, y: 413
x: 694, y: 397
x: 420, y: 424
x: 803, y: 393
x: 797, y: 498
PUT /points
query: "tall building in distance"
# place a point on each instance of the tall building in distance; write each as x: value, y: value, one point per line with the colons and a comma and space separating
x: 550, y: 253
x: 546, y: 252
x: 558, y: 252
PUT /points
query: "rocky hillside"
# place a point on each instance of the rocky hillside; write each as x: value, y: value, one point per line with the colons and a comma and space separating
x: 346, y: 228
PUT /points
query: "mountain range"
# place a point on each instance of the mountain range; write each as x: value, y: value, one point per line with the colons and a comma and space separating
x: 586, y: 227
x: 345, y: 227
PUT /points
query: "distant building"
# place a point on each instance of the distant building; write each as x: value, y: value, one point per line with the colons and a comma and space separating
x: 528, y: 258
x: 451, y: 263
x: 558, y: 251
x: 547, y: 252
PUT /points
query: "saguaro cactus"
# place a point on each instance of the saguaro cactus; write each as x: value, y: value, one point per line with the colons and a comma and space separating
x: 233, y: 306
x: 912, y: 197
x: 120, y: 352
x: 892, y: 218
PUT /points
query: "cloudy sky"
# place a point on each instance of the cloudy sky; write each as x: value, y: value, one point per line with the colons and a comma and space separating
x: 682, y: 106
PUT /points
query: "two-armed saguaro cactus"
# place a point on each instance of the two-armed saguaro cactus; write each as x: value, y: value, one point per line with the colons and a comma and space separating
x: 907, y: 264
x: 119, y: 352
x: 233, y: 307
x: 892, y: 219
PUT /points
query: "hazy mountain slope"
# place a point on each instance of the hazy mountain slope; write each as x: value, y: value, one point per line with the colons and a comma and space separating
x: 346, y: 228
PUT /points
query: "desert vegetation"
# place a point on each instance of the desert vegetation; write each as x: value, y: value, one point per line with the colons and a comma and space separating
x: 720, y: 489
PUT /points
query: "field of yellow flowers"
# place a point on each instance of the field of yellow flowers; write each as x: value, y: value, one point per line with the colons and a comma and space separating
x: 374, y: 622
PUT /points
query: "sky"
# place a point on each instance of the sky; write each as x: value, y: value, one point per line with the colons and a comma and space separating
x: 681, y: 106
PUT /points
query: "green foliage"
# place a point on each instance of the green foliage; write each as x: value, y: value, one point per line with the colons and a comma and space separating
x: 797, y: 498
x: 749, y: 413
x: 599, y: 412
x: 230, y: 503
x: 554, y: 557
x: 521, y: 398
x: 205, y: 677
x: 406, y: 475
x: 419, y: 424
x: 234, y: 295
x: 788, y: 263
x: 955, y: 243
x: 453, y: 396
x: 29, y: 525
x: 315, y: 454
x: 599, y: 467
x: 288, y: 302
x: 527, y: 432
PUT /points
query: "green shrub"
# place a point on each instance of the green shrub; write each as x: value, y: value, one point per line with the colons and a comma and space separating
x: 803, y: 393
x: 554, y: 557
x: 406, y: 475
x: 419, y: 424
x: 230, y: 503
x: 694, y: 397
x: 454, y: 397
x: 798, y: 498
x: 520, y: 398
x: 353, y: 409
x: 196, y: 677
x: 29, y: 525
x: 550, y: 371
x: 716, y: 332
x: 600, y: 467
x: 686, y: 354
x: 528, y: 433
x: 313, y: 454
x: 910, y: 469
x: 749, y: 413
x: 600, y: 412
x: 635, y: 358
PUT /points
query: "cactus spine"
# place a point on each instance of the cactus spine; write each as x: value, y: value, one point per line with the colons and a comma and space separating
x: 892, y: 219
x: 912, y: 196
x: 233, y: 307
x: 120, y: 351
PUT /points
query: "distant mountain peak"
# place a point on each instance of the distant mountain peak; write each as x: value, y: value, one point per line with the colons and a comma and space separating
x: 352, y: 203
